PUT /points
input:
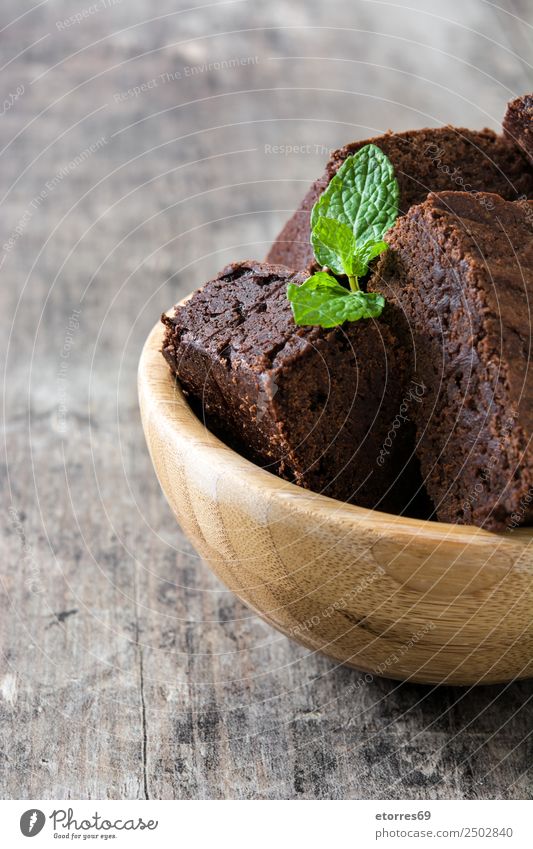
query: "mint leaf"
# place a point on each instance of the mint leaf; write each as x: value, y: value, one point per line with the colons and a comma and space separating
x: 321, y: 280
x: 333, y: 243
x: 370, y: 250
x: 366, y: 253
x: 357, y: 264
x: 335, y: 246
x: 348, y: 223
x: 363, y: 194
x: 322, y: 301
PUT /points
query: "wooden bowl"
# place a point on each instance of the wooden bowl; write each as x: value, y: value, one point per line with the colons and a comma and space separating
x: 395, y: 597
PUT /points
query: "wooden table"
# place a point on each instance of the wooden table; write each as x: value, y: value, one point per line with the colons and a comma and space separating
x: 142, y: 149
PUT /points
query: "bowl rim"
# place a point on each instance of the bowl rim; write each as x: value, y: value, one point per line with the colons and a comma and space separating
x: 158, y: 389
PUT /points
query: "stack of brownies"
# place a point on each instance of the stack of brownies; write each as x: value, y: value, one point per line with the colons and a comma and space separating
x: 427, y: 410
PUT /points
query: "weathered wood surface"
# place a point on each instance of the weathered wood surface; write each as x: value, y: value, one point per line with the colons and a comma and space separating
x: 127, y: 670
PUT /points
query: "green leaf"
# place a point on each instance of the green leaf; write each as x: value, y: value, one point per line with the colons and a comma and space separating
x: 322, y: 301
x: 363, y: 194
x: 364, y: 255
x: 370, y: 250
x: 333, y: 244
x: 322, y: 280
x: 348, y: 223
x: 357, y: 264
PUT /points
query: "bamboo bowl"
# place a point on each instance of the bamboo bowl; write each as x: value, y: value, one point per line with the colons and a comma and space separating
x: 395, y: 597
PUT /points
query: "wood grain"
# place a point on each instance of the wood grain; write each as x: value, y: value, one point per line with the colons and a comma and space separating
x: 127, y: 669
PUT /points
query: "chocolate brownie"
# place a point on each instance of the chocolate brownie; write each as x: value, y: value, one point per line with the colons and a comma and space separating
x: 460, y: 267
x: 424, y: 160
x: 518, y: 123
x: 314, y: 406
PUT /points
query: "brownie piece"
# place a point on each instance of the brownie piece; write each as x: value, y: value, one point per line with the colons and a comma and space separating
x: 518, y: 123
x: 314, y: 406
x: 424, y: 160
x: 461, y: 271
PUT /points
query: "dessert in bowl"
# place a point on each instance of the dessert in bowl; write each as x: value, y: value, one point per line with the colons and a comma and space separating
x: 348, y: 444
x: 398, y: 597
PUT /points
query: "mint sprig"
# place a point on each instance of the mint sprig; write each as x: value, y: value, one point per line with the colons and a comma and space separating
x: 322, y: 300
x: 348, y: 223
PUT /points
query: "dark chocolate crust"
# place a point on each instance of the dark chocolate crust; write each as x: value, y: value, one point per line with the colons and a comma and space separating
x: 446, y: 158
x: 518, y: 123
x: 460, y: 267
x: 312, y: 405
